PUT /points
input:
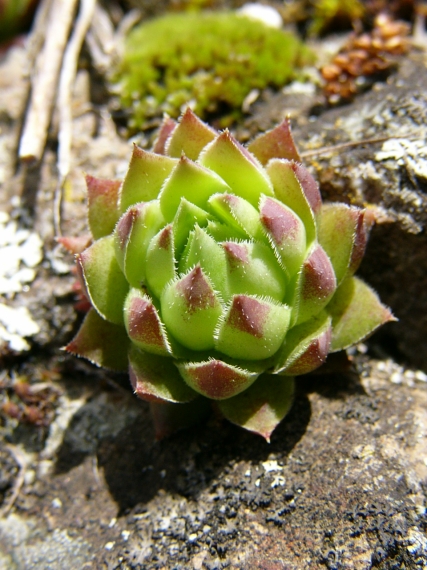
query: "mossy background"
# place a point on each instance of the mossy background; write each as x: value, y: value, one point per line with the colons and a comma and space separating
x: 208, y: 60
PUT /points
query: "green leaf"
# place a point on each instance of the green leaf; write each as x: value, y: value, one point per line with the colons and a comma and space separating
x: 253, y: 328
x: 186, y: 217
x: 236, y: 212
x: 191, y: 181
x: 339, y: 229
x: 240, y: 169
x: 101, y: 342
x: 132, y: 236
x: 216, y: 379
x: 286, y: 232
x: 103, y: 198
x: 202, y: 249
x: 223, y: 232
x: 189, y: 137
x: 316, y: 285
x: 144, y: 178
x: 252, y: 269
x: 288, y: 189
x: 356, y: 313
x: 309, y: 186
x: 105, y: 283
x: 160, y: 262
x: 277, y: 143
x: 306, y: 347
x: 156, y: 379
x: 143, y: 324
x: 262, y: 406
x: 190, y: 310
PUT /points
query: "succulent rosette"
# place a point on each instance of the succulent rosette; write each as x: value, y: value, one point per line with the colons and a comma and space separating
x: 217, y: 274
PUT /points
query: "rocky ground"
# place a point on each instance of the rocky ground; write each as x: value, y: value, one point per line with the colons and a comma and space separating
x: 83, y: 484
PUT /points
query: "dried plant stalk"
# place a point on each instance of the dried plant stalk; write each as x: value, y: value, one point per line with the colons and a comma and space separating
x: 45, y: 80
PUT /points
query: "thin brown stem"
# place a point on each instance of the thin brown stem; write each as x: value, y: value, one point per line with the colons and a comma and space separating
x: 342, y: 146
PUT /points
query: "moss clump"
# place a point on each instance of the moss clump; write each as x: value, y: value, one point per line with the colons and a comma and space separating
x: 210, y: 60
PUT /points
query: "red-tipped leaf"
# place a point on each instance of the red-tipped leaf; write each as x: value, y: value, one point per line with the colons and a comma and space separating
x: 262, y: 406
x: 102, y: 343
x: 189, y: 137
x: 143, y: 324
x: 253, y: 328
x: 306, y: 347
x: 145, y: 176
x: 317, y: 284
x: 156, y: 379
x: 216, y: 379
x: 277, y: 143
x: 166, y: 129
x: 103, y: 196
x: 105, y: 284
x: 240, y: 169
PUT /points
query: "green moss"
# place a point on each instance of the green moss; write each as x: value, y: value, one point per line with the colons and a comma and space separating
x: 210, y: 60
x: 14, y: 16
x: 328, y: 11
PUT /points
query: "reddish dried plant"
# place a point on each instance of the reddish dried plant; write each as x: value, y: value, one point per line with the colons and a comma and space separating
x: 364, y: 57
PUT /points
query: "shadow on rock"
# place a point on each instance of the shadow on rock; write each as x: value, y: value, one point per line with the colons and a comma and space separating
x: 346, y: 388
x: 116, y: 427
x: 186, y: 463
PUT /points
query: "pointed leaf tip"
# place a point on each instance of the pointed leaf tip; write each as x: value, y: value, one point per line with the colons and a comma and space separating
x: 306, y: 347
x: 191, y: 309
x: 143, y: 324
x: 189, y: 137
x: 343, y: 233
x: 75, y: 244
x: 309, y: 186
x: 216, y: 379
x: 277, y: 143
x: 145, y: 176
x: 262, y: 406
x: 103, y: 279
x: 192, y: 181
x: 166, y: 129
x: 289, y: 190
x: 286, y: 231
x: 101, y: 342
x: 156, y: 379
x: 317, y: 284
x: 237, y: 167
x: 253, y: 328
x: 356, y: 313
x: 103, y: 197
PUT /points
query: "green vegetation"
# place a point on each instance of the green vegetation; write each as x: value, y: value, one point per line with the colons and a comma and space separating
x: 15, y: 15
x: 208, y: 60
x: 328, y: 11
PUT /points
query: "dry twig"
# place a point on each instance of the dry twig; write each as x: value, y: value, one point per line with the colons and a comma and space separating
x: 351, y: 144
x: 45, y: 79
x: 20, y: 459
x: 101, y: 41
x: 64, y: 101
